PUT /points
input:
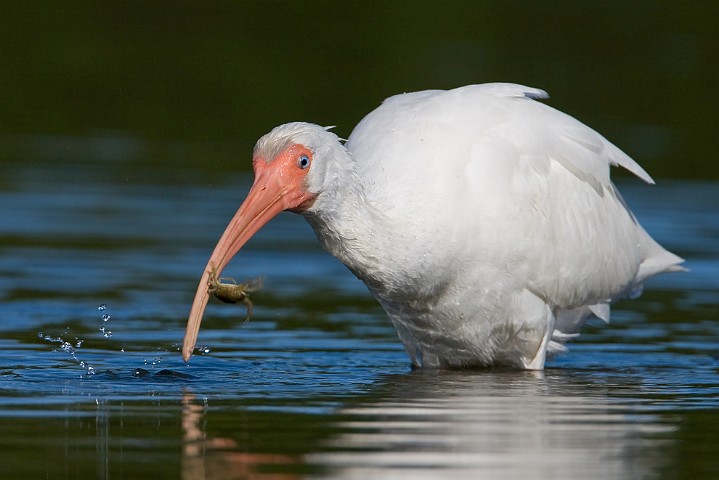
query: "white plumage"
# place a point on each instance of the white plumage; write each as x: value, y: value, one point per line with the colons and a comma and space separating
x: 484, y: 222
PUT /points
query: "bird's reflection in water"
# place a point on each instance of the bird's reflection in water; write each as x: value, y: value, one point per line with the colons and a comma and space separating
x: 220, y: 458
x: 458, y: 424
x: 496, y: 425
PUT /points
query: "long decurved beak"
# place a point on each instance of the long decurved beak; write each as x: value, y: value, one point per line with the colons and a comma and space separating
x: 270, y: 194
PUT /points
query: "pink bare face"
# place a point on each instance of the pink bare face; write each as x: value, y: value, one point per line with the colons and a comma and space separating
x: 279, y: 185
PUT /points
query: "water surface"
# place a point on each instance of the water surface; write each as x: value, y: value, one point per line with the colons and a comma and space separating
x: 316, y: 385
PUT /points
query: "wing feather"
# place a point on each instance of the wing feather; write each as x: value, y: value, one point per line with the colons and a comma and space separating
x: 491, y: 155
x: 494, y: 110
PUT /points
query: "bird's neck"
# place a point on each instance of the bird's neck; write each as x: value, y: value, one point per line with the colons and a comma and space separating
x: 353, y: 229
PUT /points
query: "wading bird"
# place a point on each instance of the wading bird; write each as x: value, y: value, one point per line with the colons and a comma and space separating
x: 483, y: 221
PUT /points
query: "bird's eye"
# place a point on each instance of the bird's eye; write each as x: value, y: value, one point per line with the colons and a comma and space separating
x: 303, y: 161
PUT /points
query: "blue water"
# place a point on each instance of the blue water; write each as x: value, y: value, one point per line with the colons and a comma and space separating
x: 316, y: 384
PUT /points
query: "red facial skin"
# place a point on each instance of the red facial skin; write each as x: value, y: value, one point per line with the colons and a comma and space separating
x: 279, y: 185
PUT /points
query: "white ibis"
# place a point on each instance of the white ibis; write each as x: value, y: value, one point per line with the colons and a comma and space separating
x: 484, y: 222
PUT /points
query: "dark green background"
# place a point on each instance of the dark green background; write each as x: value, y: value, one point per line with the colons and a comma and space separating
x: 195, y: 83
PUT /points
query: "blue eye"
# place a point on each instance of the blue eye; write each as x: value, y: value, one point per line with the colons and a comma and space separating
x: 303, y: 161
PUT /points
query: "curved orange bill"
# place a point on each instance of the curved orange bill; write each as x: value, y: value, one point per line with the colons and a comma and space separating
x: 270, y: 194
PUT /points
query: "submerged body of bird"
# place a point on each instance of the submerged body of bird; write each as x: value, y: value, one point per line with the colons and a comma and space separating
x: 484, y: 222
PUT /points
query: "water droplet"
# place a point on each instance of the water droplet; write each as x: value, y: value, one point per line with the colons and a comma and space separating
x: 203, y: 350
x: 154, y: 361
x: 102, y: 307
x: 107, y: 334
x: 105, y: 317
x: 68, y: 348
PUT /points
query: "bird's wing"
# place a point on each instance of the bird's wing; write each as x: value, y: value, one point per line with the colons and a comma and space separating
x: 523, y: 182
x: 581, y: 150
x: 409, y: 128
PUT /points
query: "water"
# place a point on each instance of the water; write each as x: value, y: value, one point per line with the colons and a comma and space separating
x: 97, y: 275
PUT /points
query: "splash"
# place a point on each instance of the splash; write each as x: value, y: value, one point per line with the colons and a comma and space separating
x: 202, y: 349
x: 199, y: 349
x: 105, y: 331
x: 68, y: 348
x: 71, y: 348
x: 155, y: 361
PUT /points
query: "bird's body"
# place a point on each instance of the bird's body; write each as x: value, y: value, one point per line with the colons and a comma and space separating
x: 484, y: 222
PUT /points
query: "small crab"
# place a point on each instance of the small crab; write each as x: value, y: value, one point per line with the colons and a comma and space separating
x: 233, y: 292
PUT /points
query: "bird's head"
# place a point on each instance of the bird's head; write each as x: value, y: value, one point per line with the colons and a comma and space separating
x: 308, y: 157
x: 294, y: 164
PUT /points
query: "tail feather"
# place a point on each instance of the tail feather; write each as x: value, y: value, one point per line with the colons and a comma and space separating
x: 570, y: 321
x: 661, y: 261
